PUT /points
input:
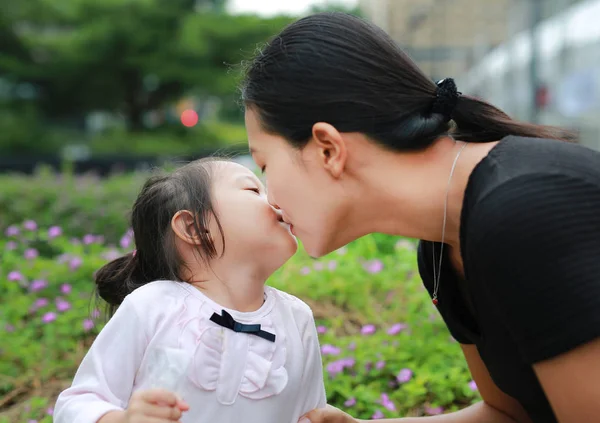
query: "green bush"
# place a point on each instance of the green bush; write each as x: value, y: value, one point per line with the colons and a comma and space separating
x: 385, y: 351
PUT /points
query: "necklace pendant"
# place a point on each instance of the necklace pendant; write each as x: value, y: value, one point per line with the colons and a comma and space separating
x: 435, y: 301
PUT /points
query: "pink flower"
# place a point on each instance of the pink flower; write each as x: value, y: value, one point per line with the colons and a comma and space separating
x: 125, y: 241
x: 319, y: 266
x: 75, y: 263
x: 38, y: 285
x: 373, y: 266
x: 54, y: 231
x: 377, y: 415
x: 380, y: 365
x: 95, y: 314
x: 15, y: 276
x: 332, y: 265
x: 88, y: 324
x: 89, y: 239
x: 30, y: 225
x: 62, y: 305
x: 352, y: 346
x: 473, y: 385
x: 404, y: 375
x: 11, y: 245
x: 9, y: 328
x: 338, y: 366
x: 368, y: 330
x: 49, y: 317
x: 31, y: 254
x: 387, y: 403
x: 321, y: 329
x: 12, y: 230
x: 434, y: 411
x: 65, y: 288
x: 305, y: 270
x: 329, y: 350
x: 50, y: 411
x: 39, y: 303
x: 342, y: 251
x: 350, y: 402
x: 396, y: 329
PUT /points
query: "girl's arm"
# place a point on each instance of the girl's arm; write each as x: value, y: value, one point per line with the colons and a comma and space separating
x: 104, y: 381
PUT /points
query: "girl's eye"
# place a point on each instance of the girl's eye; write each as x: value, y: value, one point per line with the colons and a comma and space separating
x: 256, y: 190
x: 262, y: 169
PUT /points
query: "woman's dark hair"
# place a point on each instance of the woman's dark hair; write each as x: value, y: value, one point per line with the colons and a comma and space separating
x: 156, y: 256
x: 337, y: 68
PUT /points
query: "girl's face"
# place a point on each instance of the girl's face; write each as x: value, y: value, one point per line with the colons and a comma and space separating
x: 252, y: 228
x: 298, y: 183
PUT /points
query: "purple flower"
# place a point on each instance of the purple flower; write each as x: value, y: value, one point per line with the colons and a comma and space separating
x: 434, y: 411
x: 39, y: 303
x: 377, y: 415
x: 62, y: 305
x: 15, y: 276
x: 368, y: 330
x: 329, y: 350
x: 125, y: 241
x: 100, y: 239
x: 338, y: 366
x: 31, y: 254
x: 404, y: 375
x: 65, y: 288
x: 319, y: 266
x: 38, y: 285
x: 50, y: 411
x: 350, y: 402
x: 95, y: 314
x: 54, y: 231
x: 321, y: 329
x: 88, y: 324
x: 111, y: 255
x: 380, y: 365
x: 11, y: 245
x: 89, y: 239
x: 396, y: 329
x: 30, y: 225
x: 12, y: 230
x: 305, y: 270
x: 373, y: 266
x: 9, y: 328
x: 49, y: 317
x: 32, y: 421
x: 473, y: 385
x: 387, y: 403
x: 332, y: 265
x: 75, y: 263
x: 352, y: 346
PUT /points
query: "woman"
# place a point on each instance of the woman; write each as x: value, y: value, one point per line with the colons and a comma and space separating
x: 355, y: 139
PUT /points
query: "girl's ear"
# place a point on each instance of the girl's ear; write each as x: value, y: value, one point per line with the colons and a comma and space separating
x: 183, y: 224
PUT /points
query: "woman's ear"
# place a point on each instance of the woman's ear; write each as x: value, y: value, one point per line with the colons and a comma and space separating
x: 183, y: 224
x: 331, y: 148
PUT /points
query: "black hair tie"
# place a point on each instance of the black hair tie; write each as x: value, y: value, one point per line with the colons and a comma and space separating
x: 446, y: 98
x: 227, y: 321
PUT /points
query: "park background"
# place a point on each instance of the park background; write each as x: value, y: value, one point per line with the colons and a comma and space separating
x: 95, y: 93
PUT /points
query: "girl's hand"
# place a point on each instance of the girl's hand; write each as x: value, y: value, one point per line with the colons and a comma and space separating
x: 155, y: 406
x: 329, y: 414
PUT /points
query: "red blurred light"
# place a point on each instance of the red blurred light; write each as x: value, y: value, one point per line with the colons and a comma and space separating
x: 189, y: 118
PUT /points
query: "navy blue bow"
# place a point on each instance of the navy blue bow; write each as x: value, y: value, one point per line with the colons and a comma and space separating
x: 229, y: 322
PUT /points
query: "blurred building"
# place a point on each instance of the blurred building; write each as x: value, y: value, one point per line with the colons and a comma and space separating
x: 445, y: 37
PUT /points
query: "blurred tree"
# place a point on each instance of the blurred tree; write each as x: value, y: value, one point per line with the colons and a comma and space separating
x: 124, y: 56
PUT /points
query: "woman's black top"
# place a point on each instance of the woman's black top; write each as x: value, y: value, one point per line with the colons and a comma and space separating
x: 530, y: 244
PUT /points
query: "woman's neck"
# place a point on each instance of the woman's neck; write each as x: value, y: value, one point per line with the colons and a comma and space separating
x: 405, y: 194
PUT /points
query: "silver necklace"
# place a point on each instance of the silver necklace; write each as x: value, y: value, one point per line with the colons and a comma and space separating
x: 437, y: 274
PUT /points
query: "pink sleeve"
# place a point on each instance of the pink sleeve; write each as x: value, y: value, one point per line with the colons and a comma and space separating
x: 105, y: 378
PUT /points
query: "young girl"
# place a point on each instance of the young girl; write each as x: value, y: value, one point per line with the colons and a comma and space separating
x: 192, y: 300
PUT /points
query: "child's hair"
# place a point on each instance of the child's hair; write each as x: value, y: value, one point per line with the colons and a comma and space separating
x: 156, y: 256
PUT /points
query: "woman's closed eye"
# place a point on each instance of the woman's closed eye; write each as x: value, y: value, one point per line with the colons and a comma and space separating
x: 256, y: 190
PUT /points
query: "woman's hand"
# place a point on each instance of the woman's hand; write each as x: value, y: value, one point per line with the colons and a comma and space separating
x: 327, y: 415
